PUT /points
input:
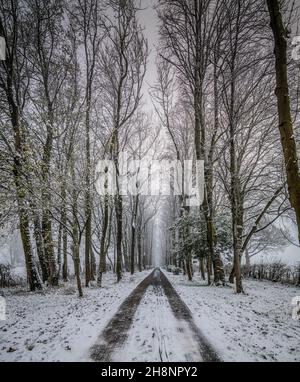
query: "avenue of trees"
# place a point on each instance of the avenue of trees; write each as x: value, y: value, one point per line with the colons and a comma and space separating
x: 71, y: 94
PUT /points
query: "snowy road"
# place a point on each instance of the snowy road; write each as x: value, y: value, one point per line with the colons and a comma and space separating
x: 153, y: 325
x: 156, y: 334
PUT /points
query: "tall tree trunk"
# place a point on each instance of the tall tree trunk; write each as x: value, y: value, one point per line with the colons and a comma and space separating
x: 234, y: 181
x: 284, y: 110
x: 49, y: 248
x: 133, y: 233
x: 200, y: 155
x: 18, y: 169
x: 102, y: 260
x: 91, y: 35
x: 132, y: 247
x: 65, y: 255
x: 87, y: 249
x: 32, y: 274
x: 75, y: 235
x: 64, y: 235
x: 200, y: 136
x: 46, y: 200
x: 240, y: 225
x: 88, y: 209
x: 139, y: 248
x: 219, y: 275
x: 119, y: 235
x: 202, y: 268
x: 248, y: 263
x: 59, y: 248
x: 93, y: 265
x: 237, y: 244
x: 188, y: 268
x: 208, y: 269
x: 118, y: 197
x: 125, y: 247
x: 37, y: 229
x: 76, y: 260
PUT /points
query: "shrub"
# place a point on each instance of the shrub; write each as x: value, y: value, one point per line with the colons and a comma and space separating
x: 275, y: 271
x: 7, y: 278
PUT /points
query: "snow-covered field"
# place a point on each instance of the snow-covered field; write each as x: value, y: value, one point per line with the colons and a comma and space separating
x: 57, y: 326
x: 257, y: 326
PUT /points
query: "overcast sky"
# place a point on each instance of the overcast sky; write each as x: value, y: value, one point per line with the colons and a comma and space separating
x: 148, y: 19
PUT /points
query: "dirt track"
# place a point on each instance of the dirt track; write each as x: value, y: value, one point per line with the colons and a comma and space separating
x: 115, y: 335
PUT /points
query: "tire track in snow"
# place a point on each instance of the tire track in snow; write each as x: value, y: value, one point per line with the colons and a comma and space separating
x: 182, y: 312
x: 154, y: 324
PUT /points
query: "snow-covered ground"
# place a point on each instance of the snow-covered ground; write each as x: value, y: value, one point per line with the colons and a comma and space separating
x: 257, y: 326
x: 57, y: 326
x: 156, y: 335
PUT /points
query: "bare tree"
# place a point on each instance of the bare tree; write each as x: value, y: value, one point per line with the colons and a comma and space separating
x: 123, y: 62
x: 286, y: 129
x: 86, y: 15
x: 14, y: 83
